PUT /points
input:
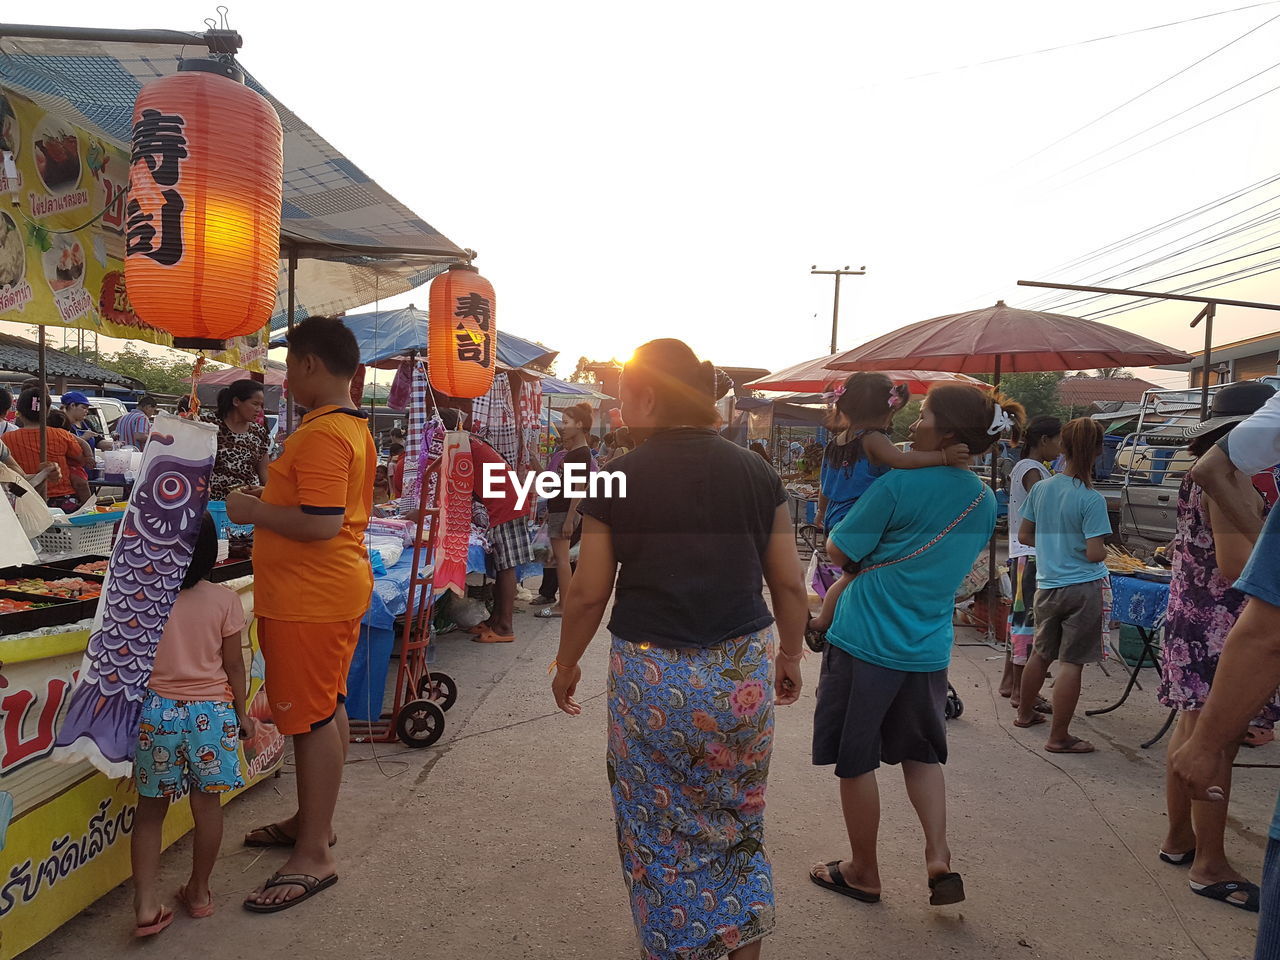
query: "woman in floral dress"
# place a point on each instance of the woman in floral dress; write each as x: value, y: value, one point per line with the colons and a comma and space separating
x: 693, y: 678
x: 1208, y: 555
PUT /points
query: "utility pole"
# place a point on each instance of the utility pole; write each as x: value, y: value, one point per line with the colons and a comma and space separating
x: 835, y: 309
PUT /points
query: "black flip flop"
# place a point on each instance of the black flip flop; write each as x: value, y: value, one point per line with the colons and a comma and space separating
x: 275, y: 837
x: 837, y: 884
x: 945, y: 888
x: 1223, y: 891
x: 1179, y: 859
x: 309, y: 884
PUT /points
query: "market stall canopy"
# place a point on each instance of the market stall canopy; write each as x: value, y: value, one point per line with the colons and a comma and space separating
x: 355, y: 242
x: 551, y: 387
x: 1007, y: 340
x: 783, y: 414
x: 818, y: 376
x: 384, y: 334
x: 23, y: 356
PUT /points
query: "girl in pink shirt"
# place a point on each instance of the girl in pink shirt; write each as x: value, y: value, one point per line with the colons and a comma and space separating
x: 188, y: 739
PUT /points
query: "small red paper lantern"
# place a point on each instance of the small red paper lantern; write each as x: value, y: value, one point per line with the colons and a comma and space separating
x: 462, y: 339
x: 205, y: 187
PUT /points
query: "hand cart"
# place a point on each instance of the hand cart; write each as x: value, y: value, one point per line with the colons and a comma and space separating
x: 422, y: 695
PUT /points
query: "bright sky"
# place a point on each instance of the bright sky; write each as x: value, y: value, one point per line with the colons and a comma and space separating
x: 673, y: 169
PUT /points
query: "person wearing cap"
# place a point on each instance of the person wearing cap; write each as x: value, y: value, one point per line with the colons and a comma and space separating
x: 76, y: 406
x: 135, y: 427
x: 1249, y: 667
x: 1209, y: 553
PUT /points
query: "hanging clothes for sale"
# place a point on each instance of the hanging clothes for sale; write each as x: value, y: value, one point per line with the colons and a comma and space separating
x: 419, y: 407
x: 530, y: 422
x: 493, y: 419
x: 401, y: 392
x: 458, y: 471
x: 157, y: 538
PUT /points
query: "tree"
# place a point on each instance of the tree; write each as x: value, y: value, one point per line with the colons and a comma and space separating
x: 581, y: 373
x: 1115, y: 373
x: 1037, y: 392
x: 158, y: 374
x: 904, y: 418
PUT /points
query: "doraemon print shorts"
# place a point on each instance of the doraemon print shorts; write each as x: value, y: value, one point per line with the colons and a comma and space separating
x: 185, y: 745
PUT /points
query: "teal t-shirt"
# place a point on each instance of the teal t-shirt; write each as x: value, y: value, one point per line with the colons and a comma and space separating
x: 1066, y: 514
x: 900, y: 616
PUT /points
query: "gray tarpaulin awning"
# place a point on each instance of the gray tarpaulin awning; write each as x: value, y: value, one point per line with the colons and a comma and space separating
x: 355, y: 242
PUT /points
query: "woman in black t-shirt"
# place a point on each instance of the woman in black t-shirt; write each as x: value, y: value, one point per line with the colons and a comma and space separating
x: 702, y: 525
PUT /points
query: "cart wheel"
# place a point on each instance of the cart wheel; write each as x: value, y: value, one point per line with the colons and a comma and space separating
x: 420, y: 723
x: 439, y: 687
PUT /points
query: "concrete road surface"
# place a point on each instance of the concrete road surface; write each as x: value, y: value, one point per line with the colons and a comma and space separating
x: 499, y: 842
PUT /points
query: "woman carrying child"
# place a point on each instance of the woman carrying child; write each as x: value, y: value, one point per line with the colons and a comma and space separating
x: 859, y: 455
x: 192, y: 717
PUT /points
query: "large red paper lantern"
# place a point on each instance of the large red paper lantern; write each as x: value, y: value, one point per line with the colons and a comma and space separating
x: 205, y: 186
x: 462, y: 340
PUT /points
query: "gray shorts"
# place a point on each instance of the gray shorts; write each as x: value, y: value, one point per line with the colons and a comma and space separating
x: 868, y: 715
x: 1069, y: 622
x: 555, y: 525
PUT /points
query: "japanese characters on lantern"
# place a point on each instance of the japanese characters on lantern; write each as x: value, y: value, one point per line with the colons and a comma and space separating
x: 462, y: 335
x: 203, y: 218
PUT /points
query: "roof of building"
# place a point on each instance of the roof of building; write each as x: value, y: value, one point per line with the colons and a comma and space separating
x: 1082, y: 391
x: 1266, y: 343
x: 23, y: 356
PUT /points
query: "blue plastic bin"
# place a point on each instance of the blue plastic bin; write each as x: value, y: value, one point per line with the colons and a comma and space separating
x: 218, y: 508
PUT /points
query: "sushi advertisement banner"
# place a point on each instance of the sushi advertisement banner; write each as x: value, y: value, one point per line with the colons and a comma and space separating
x: 64, y: 828
x: 63, y: 210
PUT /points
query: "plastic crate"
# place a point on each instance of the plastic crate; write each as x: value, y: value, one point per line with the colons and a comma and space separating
x: 90, y: 539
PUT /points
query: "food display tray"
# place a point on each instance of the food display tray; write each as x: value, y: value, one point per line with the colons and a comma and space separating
x: 231, y: 570
x: 56, y: 614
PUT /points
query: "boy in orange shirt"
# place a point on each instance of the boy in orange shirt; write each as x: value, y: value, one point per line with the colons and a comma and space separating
x: 313, y: 584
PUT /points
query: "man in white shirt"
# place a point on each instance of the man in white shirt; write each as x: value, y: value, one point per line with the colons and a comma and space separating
x: 1249, y: 669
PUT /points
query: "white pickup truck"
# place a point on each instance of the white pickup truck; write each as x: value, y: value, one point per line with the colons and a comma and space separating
x: 1148, y: 467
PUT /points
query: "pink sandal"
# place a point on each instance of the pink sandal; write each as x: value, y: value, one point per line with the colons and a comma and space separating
x: 158, y: 925
x: 195, y: 912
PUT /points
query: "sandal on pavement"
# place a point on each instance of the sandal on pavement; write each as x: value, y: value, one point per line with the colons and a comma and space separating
x: 195, y: 912
x: 1075, y: 745
x: 548, y: 613
x: 488, y: 636
x: 1223, y: 891
x: 309, y: 884
x: 1035, y: 721
x: 158, y: 925
x: 1043, y: 706
x: 477, y: 629
x: 837, y: 883
x: 1179, y: 859
x: 945, y: 889
x: 273, y: 836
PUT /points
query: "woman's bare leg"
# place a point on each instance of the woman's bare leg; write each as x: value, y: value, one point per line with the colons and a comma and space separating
x: 927, y: 789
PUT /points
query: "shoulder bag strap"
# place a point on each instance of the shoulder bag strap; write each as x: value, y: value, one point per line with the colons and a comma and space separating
x: 919, y: 550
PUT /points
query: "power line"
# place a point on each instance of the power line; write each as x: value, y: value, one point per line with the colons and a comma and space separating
x: 1097, y: 278
x: 1150, y: 89
x: 1082, y: 43
x: 1245, y: 274
x: 1174, y: 136
x: 1163, y: 225
x: 1161, y: 123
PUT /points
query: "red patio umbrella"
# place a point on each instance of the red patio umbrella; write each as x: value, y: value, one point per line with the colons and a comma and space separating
x: 818, y: 376
x: 1003, y: 339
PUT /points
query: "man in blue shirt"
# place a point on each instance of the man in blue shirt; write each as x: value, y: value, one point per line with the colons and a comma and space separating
x: 1249, y: 669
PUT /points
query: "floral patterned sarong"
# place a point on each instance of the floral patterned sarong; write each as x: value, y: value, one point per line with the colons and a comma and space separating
x: 690, y: 734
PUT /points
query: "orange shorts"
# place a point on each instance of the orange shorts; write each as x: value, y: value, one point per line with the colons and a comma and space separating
x: 307, y: 666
